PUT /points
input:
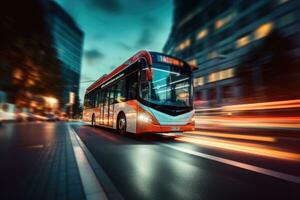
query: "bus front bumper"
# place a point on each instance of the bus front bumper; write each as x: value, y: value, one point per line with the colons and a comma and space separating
x: 165, y: 129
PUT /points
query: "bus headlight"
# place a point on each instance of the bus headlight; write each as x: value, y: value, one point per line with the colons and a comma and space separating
x: 144, y: 118
x: 192, y: 119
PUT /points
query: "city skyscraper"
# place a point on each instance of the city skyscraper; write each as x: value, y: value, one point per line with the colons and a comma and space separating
x: 218, y: 35
x: 68, y: 42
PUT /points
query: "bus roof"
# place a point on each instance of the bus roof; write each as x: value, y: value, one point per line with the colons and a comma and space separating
x: 137, y: 56
x: 141, y: 54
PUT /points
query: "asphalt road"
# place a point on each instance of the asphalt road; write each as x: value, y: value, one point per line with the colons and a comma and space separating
x: 157, y: 168
x: 199, y: 165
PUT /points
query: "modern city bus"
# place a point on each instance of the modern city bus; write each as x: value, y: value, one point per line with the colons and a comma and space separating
x: 150, y: 93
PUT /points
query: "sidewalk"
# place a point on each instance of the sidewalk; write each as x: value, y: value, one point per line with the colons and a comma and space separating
x: 37, y: 161
x: 55, y: 175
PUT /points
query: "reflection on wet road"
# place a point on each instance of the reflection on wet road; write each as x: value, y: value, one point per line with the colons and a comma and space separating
x: 199, y: 165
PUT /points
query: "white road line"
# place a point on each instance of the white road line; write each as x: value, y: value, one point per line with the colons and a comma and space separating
x: 91, y: 186
x: 253, y: 168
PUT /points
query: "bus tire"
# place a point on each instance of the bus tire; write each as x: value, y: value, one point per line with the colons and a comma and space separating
x: 121, y: 123
x: 93, y: 120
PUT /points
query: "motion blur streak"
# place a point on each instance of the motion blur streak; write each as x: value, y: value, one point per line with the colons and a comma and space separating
x: 265, y: 105
x: 242, y: 147
x: 270, y: 121
x: 234, y: 136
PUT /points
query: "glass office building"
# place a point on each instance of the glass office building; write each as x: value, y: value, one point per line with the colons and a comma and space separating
x: 68, y: 42
x: 216, y: 35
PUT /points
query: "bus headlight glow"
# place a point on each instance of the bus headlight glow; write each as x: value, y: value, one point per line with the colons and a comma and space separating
x: 144, y: 118
x: 192, y: 120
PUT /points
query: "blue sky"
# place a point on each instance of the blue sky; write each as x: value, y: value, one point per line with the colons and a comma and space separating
x: 116, y: 29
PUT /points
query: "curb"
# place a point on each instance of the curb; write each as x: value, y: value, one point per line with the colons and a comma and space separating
x: 110, y: 190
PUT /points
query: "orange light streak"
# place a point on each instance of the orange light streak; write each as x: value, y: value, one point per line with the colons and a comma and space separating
x: 243, y: 147
x: 234, y: 136
x: 275, y: 122
x: 265, y: 105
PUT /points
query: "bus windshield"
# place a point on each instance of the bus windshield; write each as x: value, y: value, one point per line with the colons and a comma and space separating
x: 170, y: 86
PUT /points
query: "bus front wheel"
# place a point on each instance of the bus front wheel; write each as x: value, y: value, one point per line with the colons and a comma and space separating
x: 121, y: 124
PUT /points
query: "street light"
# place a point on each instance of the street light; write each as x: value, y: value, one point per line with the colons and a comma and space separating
x: 51, y: 101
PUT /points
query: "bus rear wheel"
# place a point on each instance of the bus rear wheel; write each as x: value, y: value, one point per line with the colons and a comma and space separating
x: 121, y: 124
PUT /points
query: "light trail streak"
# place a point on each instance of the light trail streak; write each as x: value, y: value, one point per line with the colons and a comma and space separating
x: 264, y: 105
x: 258, y: 122
x: 243, y: 147
x: 234, y: 136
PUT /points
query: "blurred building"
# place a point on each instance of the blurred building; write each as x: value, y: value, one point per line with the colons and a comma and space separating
x: 215, y: 35
x: 28, y: 64
x: 40, y: 53
x: 68, y: 42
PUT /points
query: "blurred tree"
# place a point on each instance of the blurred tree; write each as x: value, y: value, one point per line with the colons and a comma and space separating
x: 28, y: 61
x: 270, y: 70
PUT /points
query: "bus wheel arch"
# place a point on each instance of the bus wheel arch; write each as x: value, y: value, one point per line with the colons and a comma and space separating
x: 121, y: 123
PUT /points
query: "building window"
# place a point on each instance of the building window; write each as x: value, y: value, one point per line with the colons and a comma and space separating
x: 199, y: 81
x: 227, y: 73
x: 202, y: 34
x: 212, y: 55
x: 263, y: 30
x: 221, y: 75
x: 223, y: 21
x: 212, y: 77
x: 193, y: 62
x: 184, y: 44
x: 243, y: 41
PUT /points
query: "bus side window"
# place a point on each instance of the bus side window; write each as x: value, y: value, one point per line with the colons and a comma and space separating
x: 94, y: 96
x: 91, y: 100
x: 120, y: 91
x: 131, y: 86
x: 88, y: 101
x: 112, y: 94
x: 106, y: 98
x: 103, y: 97
x: 99, y: 97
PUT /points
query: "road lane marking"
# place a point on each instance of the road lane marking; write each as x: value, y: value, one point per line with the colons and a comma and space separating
x: 91, y: 185
x: 253, y: 168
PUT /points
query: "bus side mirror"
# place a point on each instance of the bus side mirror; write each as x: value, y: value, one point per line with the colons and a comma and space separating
x: 149, y: 74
